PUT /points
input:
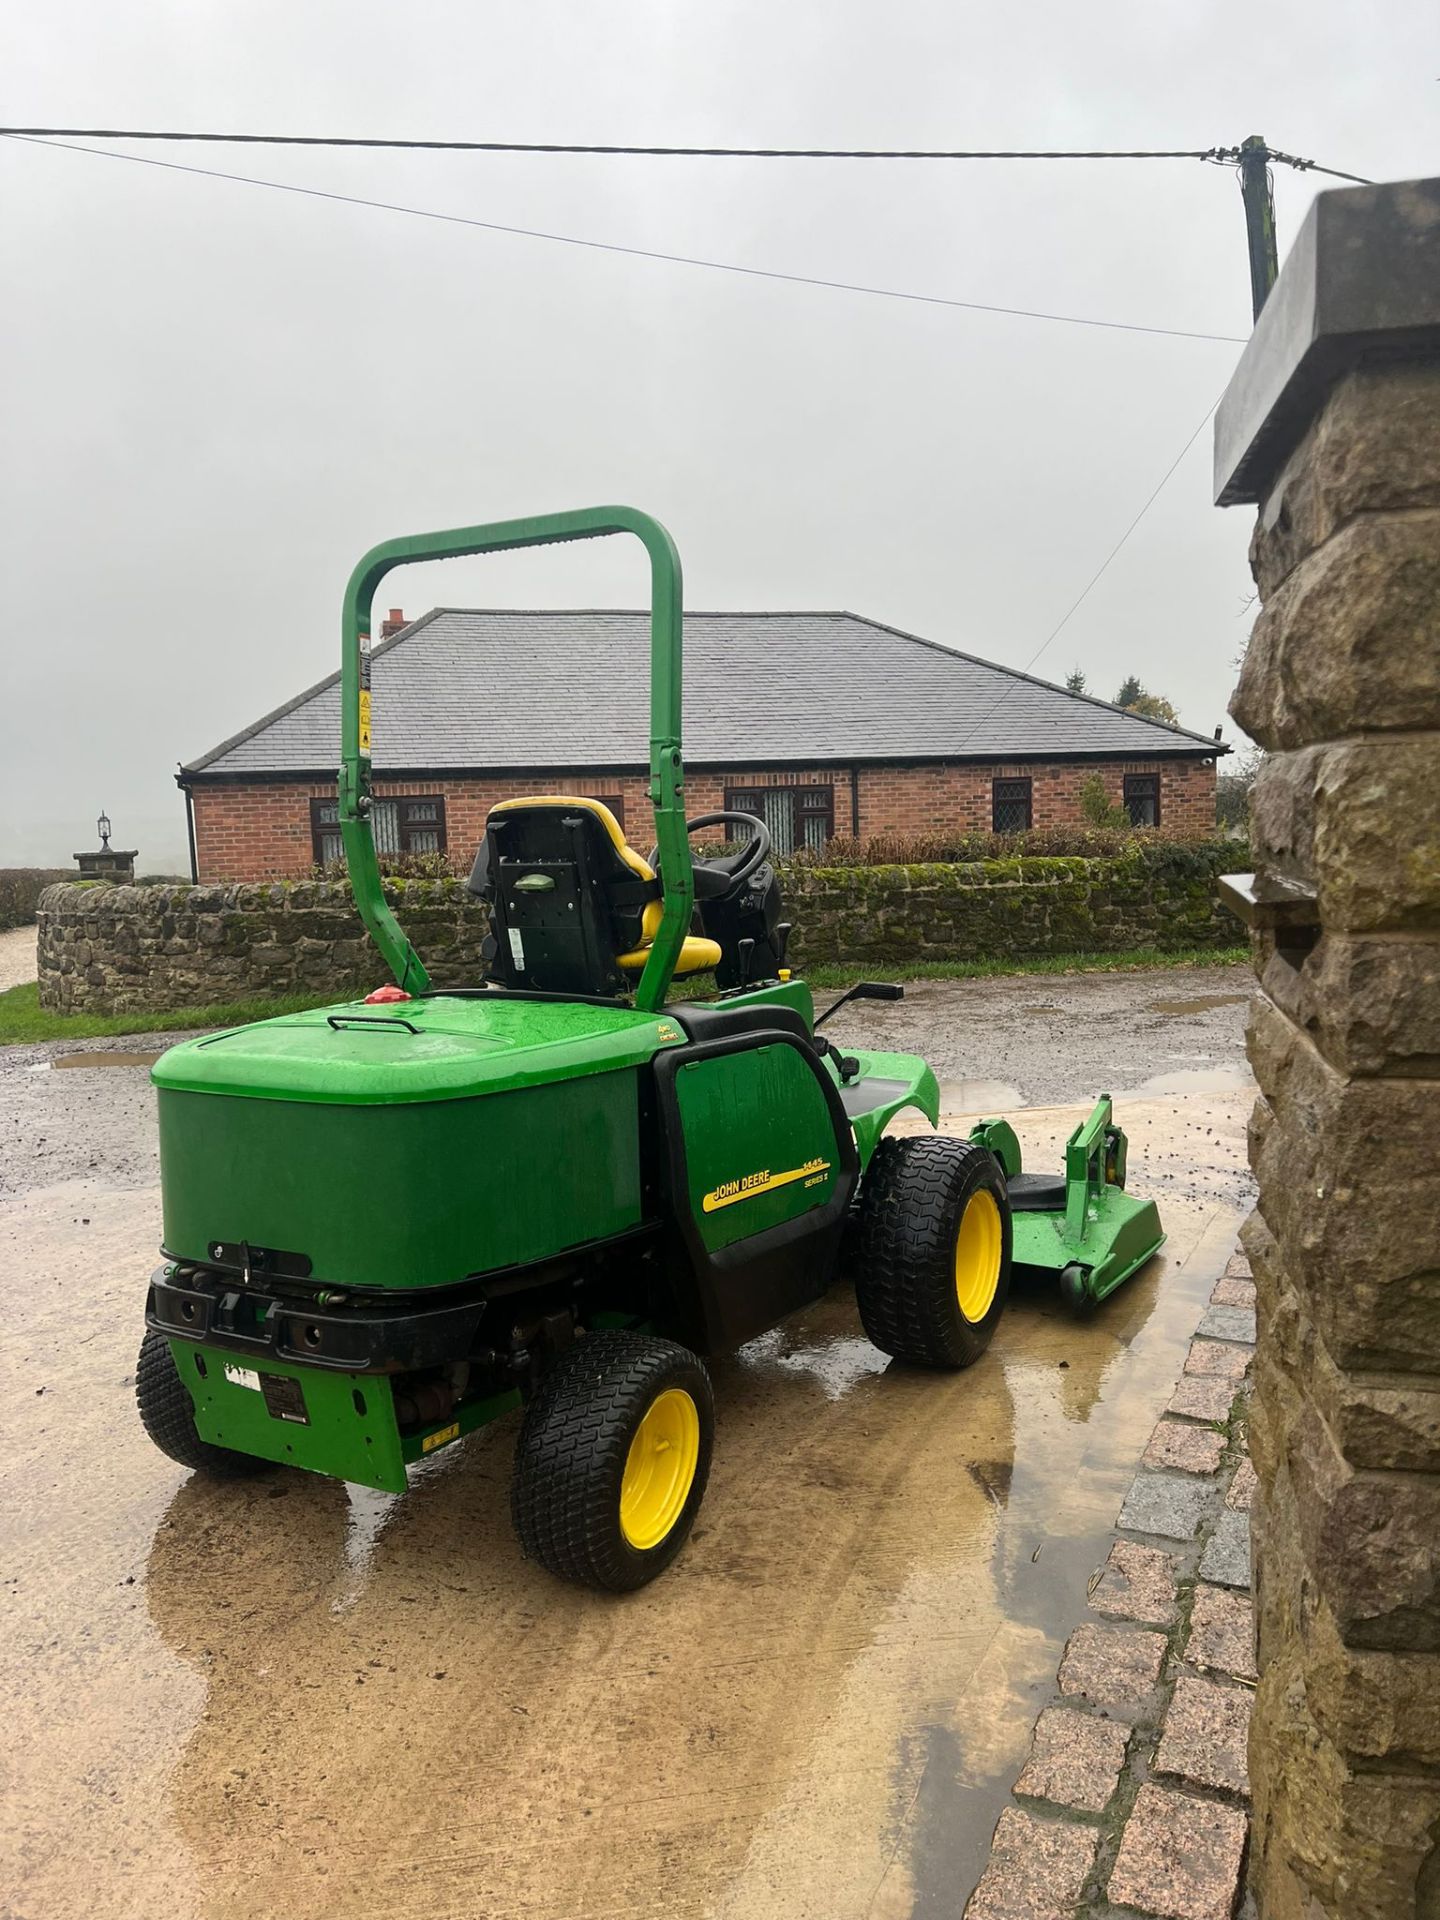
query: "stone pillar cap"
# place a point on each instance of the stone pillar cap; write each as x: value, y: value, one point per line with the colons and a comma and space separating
x: 1360, y: 284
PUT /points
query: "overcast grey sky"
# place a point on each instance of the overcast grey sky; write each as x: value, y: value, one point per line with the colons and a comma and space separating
x: 216, y: 397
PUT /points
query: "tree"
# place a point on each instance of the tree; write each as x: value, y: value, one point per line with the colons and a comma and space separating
x: 1130, y: 690
x: 1232, y: 794
x: 1075, y: 680
x: 1150, y: 706
x: 1099, y: 809
x: 1154, y: 706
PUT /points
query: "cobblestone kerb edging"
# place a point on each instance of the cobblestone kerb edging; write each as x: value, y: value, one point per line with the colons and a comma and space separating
x: 120, y: 949
x: 1135, y: 1797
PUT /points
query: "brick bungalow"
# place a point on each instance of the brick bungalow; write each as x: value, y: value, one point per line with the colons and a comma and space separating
x: 824, y: 723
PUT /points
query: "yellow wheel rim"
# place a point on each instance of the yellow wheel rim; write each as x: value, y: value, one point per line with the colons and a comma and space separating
x: 977, y: 1256
x: 660, y: 1468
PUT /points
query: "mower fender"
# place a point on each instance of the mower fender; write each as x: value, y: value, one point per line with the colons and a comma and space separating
x: 999, y: 1137
x: 886, y: 1084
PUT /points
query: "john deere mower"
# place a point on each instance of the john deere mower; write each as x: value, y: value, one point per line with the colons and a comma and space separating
x: 390, y: 1221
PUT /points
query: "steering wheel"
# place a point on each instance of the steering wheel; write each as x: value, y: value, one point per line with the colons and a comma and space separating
x: 719, y: 879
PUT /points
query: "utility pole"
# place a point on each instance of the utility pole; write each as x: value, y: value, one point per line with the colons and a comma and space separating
x: 1254, y: 157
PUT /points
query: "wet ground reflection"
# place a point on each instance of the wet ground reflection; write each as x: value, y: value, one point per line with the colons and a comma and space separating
x: 315, y: 1701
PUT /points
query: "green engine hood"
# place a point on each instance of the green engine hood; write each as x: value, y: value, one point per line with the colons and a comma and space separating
x: 418, y: 1050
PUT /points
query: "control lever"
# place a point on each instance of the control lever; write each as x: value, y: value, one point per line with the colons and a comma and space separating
x: 744, y: 950
x: 866, y: 990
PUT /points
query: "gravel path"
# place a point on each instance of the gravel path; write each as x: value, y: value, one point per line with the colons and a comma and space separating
x: 1030, y: 1040
x: 907, y: 1555
x: 1047, y: 1039
x: 17, y: 957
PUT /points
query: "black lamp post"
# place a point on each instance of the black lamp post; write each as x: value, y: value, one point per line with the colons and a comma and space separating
x: 106, y: 862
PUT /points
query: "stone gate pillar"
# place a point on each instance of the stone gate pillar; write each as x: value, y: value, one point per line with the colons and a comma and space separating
x: 1332, y: 426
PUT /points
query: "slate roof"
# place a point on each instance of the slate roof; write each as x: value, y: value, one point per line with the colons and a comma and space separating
x: 463, y: 689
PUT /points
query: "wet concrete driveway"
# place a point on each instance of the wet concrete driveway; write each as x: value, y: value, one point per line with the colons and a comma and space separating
x: 281, y: 1698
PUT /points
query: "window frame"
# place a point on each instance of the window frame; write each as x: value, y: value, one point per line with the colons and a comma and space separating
x: 808, y: 801
x: 1012, y: 780
x: 406, y: 825
x: 614, y: 801
x: 1147, y: 789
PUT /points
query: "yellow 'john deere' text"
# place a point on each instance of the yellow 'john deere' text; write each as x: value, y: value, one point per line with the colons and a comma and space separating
x: 750, y: 1184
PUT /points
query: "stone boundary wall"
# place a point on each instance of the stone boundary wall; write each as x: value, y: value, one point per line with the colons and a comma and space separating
x: 1024, y: 908
x: 110, y: 949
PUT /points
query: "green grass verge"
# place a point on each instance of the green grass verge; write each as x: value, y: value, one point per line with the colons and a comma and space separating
x: 1135, y: 960
x: 22, y: 1018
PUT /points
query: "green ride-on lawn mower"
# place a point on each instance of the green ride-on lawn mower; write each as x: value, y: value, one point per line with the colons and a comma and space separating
x: 390, y: 1221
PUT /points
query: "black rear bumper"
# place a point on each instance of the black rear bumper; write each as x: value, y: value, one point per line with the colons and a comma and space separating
x: 363, y: 1336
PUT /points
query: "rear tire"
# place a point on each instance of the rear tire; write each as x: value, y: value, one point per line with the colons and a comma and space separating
x: 933, y: 1250
x: 612, y: 1460
x: 167, y: 1414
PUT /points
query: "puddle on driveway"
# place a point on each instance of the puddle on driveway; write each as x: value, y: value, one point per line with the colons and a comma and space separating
x: 1212, y: 1079
x: 1175, y: 1008
x: 839, y: 1363
x: 978, y: 1096
x: 102, y: 1059
x: 290, y: 1699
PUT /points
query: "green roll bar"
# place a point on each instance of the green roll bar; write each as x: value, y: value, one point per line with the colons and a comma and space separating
x: 667, y: 780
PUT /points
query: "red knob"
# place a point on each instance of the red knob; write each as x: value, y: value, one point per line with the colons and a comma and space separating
x: 385, y: 996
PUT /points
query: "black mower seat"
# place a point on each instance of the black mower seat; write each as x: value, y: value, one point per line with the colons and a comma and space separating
x: 696, y: 954
x: 575, y: 908
x: 1036, y: 1192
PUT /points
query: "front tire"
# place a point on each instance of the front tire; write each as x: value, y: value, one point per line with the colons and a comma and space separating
x: 612, y: 1460
x: 933, y: 1250
x: 167, y: 1414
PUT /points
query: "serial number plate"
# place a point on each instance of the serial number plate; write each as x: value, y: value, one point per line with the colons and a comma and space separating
x: 284, y: 1398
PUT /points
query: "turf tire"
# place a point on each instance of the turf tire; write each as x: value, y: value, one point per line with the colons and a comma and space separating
x: 914, y: 1195
x: 574, y: 1443
x: 167, y: 1414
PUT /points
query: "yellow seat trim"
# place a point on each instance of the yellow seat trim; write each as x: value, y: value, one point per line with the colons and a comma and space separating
x: 601, y: 812
x: 696, y: 954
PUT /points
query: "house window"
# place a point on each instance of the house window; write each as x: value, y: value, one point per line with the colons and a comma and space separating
x: 796, y: 816
x: 1010, y: 806
x: 1142, y: 799
x: 325, y: 831
x: 409, y: 824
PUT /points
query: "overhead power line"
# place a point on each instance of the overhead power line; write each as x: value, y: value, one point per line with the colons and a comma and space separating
x: 563, y: 146
x: 1095, y: 578
x: 1221, y: 154
x: 640, y: 253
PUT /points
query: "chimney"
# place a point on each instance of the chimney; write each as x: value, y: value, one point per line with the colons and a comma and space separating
x: 389, y: 628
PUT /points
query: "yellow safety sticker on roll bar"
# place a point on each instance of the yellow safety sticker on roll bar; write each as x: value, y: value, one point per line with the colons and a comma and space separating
x: 751, y: 1184
x: 364, y: 720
